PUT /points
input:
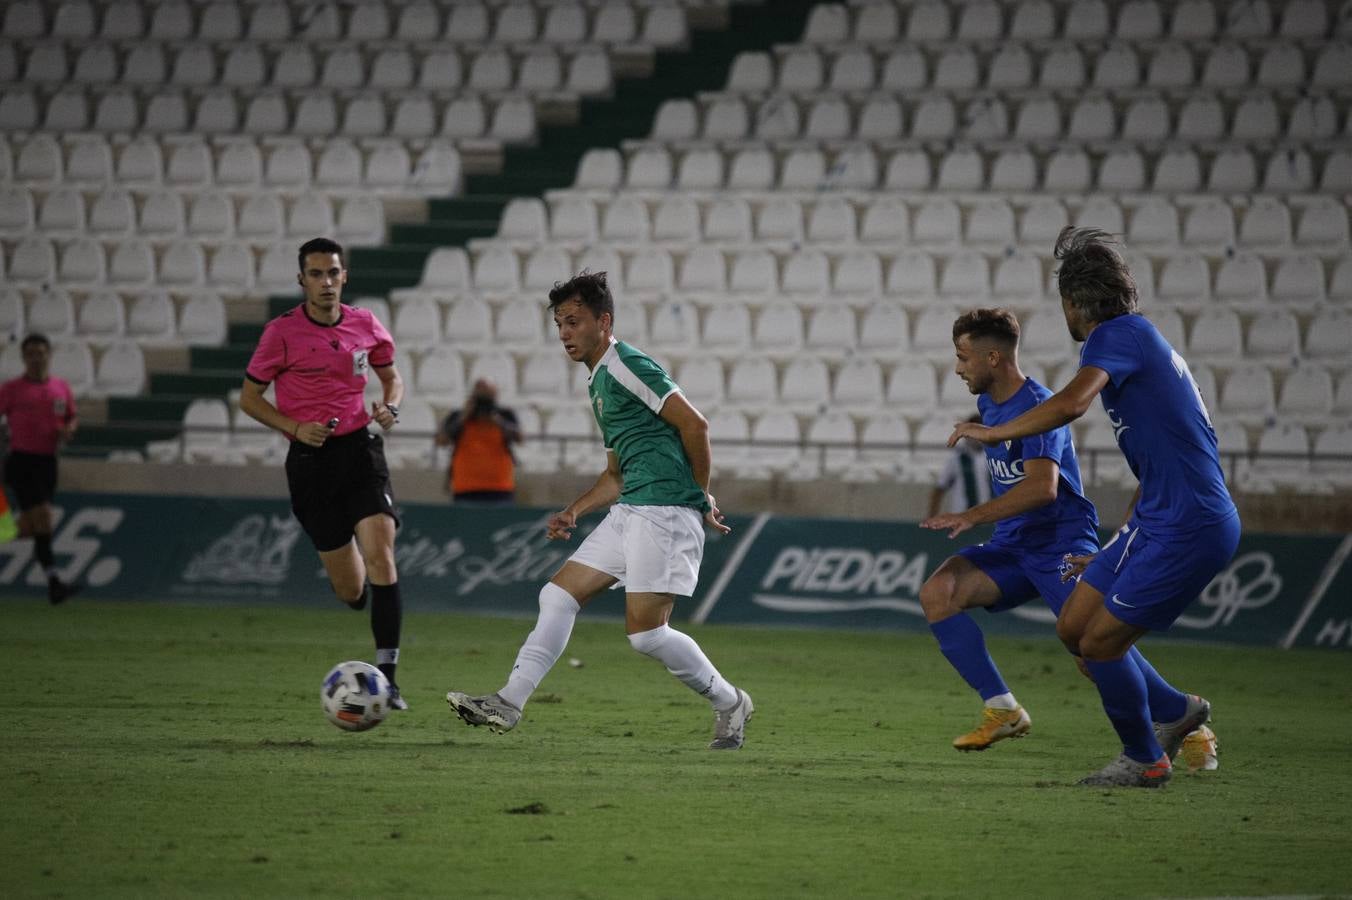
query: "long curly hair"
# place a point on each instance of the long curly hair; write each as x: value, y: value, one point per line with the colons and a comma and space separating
x: 1092, y: 275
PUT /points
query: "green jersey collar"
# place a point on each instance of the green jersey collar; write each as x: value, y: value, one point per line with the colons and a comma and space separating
x: 610, y: 351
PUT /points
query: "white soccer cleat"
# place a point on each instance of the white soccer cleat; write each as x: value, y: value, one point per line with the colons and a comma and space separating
x: 1171, y: 734
x: 730, y: 725
x: 490, y: 710
x: 1127, y: 772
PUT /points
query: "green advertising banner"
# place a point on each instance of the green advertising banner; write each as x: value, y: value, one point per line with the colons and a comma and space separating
x: 1282, y: 590
x: 863, y: 574
x: 1325, y: 620
x: 450, y: 558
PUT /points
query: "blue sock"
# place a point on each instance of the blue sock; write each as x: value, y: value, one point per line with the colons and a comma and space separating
x: 1121, y: 686
x: 963, y: 645
x: 1167, y: 703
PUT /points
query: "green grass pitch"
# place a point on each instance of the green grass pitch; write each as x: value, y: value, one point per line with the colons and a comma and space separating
x: 176, y: 750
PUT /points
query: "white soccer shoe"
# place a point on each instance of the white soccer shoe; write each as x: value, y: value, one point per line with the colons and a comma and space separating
x: 730, y: 725
x: 1171, y: 734
x: 490, y: 710
x: 1127, y: 772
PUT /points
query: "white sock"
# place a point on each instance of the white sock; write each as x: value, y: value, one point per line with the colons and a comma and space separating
x: 1002, y: 701
x: 387, y: 657
x: 684, y: 659
x: 543, y: 646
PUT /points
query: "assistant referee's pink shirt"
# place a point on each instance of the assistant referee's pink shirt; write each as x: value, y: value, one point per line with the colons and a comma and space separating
x: 321, y: 370
x: 36, y: 411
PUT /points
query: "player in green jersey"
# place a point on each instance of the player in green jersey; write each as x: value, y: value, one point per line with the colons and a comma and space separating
x: 652, y: 540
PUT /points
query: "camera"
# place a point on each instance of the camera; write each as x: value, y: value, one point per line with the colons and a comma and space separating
x: 484, y: 406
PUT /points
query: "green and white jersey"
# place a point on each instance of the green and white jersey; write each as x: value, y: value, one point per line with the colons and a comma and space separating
x: 627, y: 390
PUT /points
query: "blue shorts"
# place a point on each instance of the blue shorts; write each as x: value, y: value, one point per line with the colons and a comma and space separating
x: 1148, y: 582
x: 1023, y: 575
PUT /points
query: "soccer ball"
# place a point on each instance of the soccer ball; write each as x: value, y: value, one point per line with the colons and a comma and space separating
x: 355, y: 696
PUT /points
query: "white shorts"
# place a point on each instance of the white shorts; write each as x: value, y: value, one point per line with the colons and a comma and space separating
x: 650, y: 549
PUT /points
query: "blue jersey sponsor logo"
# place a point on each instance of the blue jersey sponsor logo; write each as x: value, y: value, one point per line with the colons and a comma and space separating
x: 1068, y: 519
x: 1006, y: 471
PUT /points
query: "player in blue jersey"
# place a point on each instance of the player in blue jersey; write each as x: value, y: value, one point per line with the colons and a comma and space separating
x: 1183, y: 527
x: 1041, y: 516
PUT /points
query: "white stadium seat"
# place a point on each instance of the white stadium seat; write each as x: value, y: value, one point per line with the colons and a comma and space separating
x: 441, y: 373
x: 520, y: 324
x: 121, y: 370
x: 102, y: 316
x: 702, y: 381
x: 650, y: 271
x: 675, y: 326
x: 1298, y: 280
x: 1329, y: 335
x: 703, y: 270
x: 1306, y: 396
x: 752, y: 384
x: 202, y: 320
x: 151, y: 317
x: 883, y: 330
x: 1184, y: 281
x: 778, y: 328
x: 1248, y: 395
x: 806, y: 385
x: 469, y: 321
x: 417, y: 322
x: 858, y: 274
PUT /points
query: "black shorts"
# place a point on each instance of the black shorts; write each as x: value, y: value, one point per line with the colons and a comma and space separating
x: 335, y: 486
x: 32, y: 478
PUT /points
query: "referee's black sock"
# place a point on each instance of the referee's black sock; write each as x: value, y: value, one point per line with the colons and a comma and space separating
x: 57, y: 590
x: 42, y: 549
x: 386, y: 620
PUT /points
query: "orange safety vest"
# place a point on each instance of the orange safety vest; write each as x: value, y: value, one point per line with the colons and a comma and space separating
x: 481, y: 461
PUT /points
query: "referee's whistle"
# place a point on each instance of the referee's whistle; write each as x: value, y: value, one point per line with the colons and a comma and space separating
x: 333, y: 423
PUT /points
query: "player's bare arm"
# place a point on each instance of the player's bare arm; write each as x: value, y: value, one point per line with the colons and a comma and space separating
x: 604, y: 492
x: 1038, y: 488
x: 252, y: 403
x: 694, y: 431
x: 1061, y: 408
x: 386, y: 413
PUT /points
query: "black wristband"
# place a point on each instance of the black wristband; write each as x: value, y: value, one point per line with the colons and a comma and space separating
x: 394, y: 410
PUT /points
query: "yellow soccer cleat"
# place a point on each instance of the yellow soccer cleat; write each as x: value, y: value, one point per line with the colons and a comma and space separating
x: 996, y: 725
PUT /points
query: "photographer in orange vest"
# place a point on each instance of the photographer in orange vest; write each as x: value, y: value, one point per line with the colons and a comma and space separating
x: 482, y: 433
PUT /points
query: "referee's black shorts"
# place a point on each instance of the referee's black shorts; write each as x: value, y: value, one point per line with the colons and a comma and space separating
x: 32, y: 478
x: 335, y: 486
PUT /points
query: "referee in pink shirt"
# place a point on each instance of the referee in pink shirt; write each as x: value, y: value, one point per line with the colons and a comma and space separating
x: 40, y: 410
x: 320, y: 355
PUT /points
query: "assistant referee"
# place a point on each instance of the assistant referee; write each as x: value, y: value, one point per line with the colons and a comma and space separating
x: 40, y: 409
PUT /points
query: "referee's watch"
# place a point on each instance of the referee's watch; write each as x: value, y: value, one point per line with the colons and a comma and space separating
x: 394, y: 410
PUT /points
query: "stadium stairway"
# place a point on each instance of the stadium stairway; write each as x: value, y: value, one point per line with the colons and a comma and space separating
x: 550, y: 163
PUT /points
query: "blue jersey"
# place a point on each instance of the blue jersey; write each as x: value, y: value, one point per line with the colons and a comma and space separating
x: 1161, y: 424
x: 1064, y: 521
